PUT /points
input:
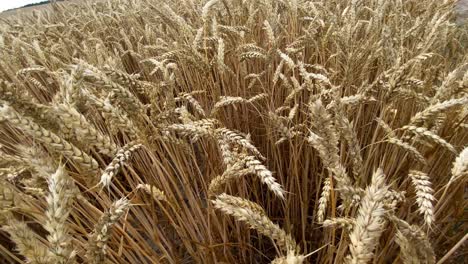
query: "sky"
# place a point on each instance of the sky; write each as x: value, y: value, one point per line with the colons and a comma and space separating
x: 9, y: 4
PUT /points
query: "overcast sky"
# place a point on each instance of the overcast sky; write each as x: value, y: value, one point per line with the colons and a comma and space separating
x: 9, y: 4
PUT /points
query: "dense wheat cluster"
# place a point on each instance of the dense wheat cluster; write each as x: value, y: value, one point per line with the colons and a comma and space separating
x: 263, y: 131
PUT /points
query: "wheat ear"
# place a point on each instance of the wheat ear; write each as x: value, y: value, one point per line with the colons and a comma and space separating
x: 119, y: 160
x: 97, y: 243
x: 48, y: 138
x: 234, y: 100
x: 265, y: 175
x: 333, y: 165
x: 235, y: 138
x: 60, y: 200
x: 285, y: 132
x: 424, y: 195
x: 84, y: 131
x: 115, y: 118
x: 412, y: 151
x: 323, y: 201
x: 415, y: 246
x: 291, y: 258
x: 195, y: 104
x: 433, y: 110
x: 342, y: 222
x: 423, y: 132
x: 232, y: 172
x: 252, y: 214
x: 155, y: 192
x: 195, y: 129
x: 132, y: 104
x: 369, y: 222
x: 27, y: 242
x: 460, y: 166
x: 349, y: 134
x: 386, y: 128
x: 38, y: 160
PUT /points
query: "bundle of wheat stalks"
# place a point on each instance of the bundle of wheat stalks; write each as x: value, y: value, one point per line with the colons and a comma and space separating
x: 282, y: 131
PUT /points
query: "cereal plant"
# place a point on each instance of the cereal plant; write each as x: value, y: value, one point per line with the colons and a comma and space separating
x: 262, y: 131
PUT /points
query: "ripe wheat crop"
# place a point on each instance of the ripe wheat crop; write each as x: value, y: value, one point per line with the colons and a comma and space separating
x: 263, y: 131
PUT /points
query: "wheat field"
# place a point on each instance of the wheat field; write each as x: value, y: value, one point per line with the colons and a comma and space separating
x: 262, y: 131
